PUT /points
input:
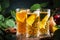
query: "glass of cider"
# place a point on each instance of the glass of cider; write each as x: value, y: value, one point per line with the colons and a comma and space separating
x: 44, y: 23
x: 32, y: 22
x: 21, y: 24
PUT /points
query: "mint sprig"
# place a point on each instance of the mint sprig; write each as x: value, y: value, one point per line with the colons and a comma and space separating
x: 38, y: 6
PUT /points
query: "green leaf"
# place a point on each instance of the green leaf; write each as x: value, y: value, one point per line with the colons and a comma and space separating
x: 38, y: 6
x: 1, y: 18
x: 44, y: 4
x: 3, y: 25
x: 58, y: 26
x: 10, y: 23
x: 0, y: 23
x: 35, y: 6
x: 13, y: 13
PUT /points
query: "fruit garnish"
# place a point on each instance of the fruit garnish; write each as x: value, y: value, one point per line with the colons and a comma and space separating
x: 51, y: 24
x: 21, y: 16
x: 57, y: 19
x: 38, y: 6
x: 54, y: 28
x: 43, y: 22
x: 31, y: 19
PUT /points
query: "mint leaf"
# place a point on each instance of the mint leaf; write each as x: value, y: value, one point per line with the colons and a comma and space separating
x: 38, y: 6
x: 10, y: 23
x: 35, y: 6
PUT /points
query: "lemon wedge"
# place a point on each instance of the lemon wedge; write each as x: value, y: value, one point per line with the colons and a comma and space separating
x: 43, y: 22
x: 54, y: 29
x: 31, y: 19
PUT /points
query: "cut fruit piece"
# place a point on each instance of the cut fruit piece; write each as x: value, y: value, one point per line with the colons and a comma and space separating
x: 43, y: 22
x: 21, y: 16
x: 31, y: 19
x: 51, y: 23
x: 42, y: 15
x: 57, y: 18
x: 54, y: 29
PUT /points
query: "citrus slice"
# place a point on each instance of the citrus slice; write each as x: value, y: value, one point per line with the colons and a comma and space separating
x: 21, y: 16
x: 43, y: 22
x: 31, y: 19
x: 54, y: 29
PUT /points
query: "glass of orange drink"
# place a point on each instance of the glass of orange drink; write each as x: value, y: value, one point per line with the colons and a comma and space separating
x: 21, y: 24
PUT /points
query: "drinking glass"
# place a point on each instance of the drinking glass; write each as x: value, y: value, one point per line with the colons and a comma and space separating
x: 32, y: 23
x: 44, y: 23
x: 21, y: 24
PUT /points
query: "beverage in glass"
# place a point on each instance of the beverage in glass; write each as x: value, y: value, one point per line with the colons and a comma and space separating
x: 44, y: 23
x: 32, y: 23
x: 21, y: 24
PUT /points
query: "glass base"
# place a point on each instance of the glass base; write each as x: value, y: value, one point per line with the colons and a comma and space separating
x: 44, y: 36
x: 32, y: 38
x: 21, y: 37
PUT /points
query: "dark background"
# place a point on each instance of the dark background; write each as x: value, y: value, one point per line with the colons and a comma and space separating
x: 13, y: 4
x: 28, y: 3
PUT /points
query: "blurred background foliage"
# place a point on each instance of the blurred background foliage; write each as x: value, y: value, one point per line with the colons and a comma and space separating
x: 7, y: 17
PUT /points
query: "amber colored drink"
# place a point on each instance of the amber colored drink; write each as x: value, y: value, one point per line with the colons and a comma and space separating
x: 21, y: 22
x: 32, y: 25
x: 44, y: 23
x: 43, y: 17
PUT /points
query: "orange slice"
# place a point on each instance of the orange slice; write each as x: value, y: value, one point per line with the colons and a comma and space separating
x: 21, y: 16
